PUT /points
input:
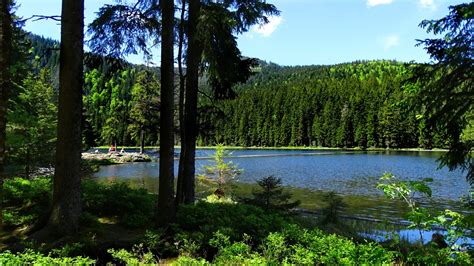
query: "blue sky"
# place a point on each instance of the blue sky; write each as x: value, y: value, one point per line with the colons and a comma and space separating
x: 307, y: 31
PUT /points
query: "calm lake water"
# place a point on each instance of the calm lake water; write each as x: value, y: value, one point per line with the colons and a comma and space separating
x: 346, y: 172
x: 352, y: 174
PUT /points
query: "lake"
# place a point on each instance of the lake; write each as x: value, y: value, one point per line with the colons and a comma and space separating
x: 308, y: 174
x: 346, y: 172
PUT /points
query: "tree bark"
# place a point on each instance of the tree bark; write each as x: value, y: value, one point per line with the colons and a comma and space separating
x: 166, y: 210
x: 188, y: 145
x: 179, y: 192
x: 5, y: 51
x: 66, y: 207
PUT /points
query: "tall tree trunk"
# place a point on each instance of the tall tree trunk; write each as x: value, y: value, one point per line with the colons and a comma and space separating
x: 188, y: 147
x: 5, y: 51
x: 66, y: 207
x: 166, y: 210
x: 179, y: 192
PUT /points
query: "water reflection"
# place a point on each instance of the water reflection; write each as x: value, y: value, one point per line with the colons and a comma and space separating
x: 347, y: 173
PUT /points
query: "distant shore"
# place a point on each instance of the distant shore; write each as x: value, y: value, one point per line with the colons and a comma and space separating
x: 288, y: 148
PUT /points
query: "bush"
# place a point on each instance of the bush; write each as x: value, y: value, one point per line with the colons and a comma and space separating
x: 436, y: 256
x: 198, y: 222
x: 138, y: 256
x: 294, y: 245
x: 334, y: 205
x: 272, y: 196
x: 25, y: 200
x: 132, y: 207
x: 30, y: 257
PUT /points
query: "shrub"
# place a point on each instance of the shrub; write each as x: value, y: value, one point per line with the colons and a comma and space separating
x: 296, y: 246
x: 184, y: 260
x: 455, y: 224
x: 334, y: 205
x: 233, y: 220
x: 132, y: 207
x: 138, y: 256
x: 25, y: 200
x: 272, y: 196
x: 30, y: 257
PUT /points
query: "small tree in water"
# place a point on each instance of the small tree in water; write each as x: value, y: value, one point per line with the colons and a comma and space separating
x: 224, y: 173
x: 334, y: 204
x: 272, y: 195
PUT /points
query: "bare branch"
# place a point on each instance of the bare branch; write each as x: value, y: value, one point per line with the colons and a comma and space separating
x: 42, y: 17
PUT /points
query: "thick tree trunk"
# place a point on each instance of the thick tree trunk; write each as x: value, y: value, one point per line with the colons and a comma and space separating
x: 66, y: 207
x: 166, y: 210
x: 179, y: 192
x: 5, y: 48
x: 188, y: 146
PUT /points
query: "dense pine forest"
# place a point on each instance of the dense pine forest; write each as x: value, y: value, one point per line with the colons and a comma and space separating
x: 361, y: 104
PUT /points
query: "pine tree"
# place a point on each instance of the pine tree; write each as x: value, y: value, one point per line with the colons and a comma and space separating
x: 5, y: 61
x: 66, y: 205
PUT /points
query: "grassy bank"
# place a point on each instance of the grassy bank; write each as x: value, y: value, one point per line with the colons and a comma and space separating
x: 118, y: 227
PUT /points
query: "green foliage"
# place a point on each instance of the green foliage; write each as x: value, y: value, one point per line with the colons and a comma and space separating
x: 144, y: 106
x: 119, y: 103
x: 25, y: 200
x: 435, y: 256
x: 186, y: 246
x: 445, y: 86
x: 334, y: 205
x: 152, y: 238
x: 132, y: 207
x: 272, y: 196
x: 138, y: 256
x: 200, y: 221
x: 455, y: 224
x: 68, y: 250
x: 237, y: 252
x: 407, y: 191
x: 296, y: 246
x: 213, y: 198
x: 31, y: 130
x: 184, y: 260
x: 224, y: 173
x: 346, y: 105
x: 31, y: 257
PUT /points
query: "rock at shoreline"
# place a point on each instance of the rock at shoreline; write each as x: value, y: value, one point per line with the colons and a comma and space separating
x: 115, y: 157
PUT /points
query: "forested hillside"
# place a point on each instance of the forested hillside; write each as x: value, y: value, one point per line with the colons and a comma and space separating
x: 360, y: 104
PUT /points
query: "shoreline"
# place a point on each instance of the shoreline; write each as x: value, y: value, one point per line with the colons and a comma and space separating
x: 289, y: 148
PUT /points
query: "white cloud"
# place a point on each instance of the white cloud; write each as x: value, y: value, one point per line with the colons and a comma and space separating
x: 390, y: 41
x: 428, y: 4
x: 371, y: 3
x: 267, y: 29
